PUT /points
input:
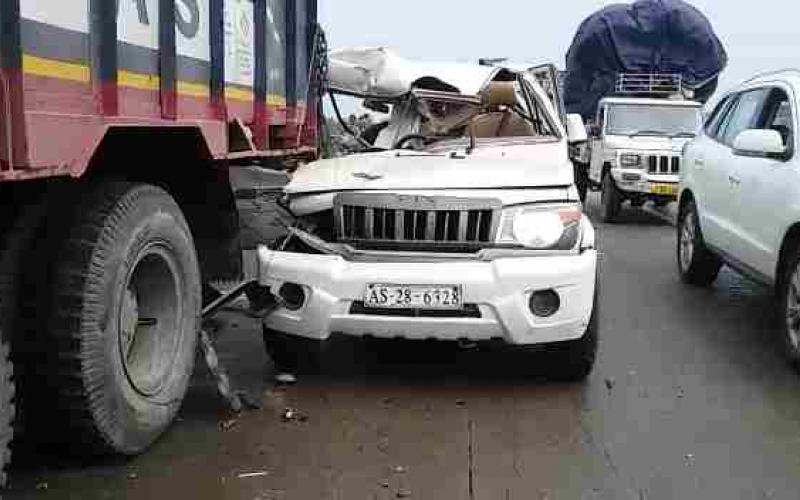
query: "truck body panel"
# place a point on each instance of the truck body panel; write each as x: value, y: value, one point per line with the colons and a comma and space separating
x: 72, y: 69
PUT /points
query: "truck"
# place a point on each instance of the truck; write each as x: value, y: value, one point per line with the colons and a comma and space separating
x: 639, y: 74
x: 131, y: 133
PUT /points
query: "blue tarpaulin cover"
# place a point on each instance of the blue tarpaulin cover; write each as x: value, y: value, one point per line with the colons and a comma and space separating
x: 647, y: 36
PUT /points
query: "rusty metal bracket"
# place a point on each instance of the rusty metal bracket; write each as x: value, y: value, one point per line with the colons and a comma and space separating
x: 209, y: 351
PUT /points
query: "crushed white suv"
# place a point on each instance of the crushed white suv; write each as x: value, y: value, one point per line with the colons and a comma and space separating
x: 461, y: 222
x: 740, y: 195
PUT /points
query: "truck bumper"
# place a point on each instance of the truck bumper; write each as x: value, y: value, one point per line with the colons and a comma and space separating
x: 636, y: 182
x: 496, y: 292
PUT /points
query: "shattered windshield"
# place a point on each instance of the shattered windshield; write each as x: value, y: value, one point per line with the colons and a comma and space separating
x: 638, y: 119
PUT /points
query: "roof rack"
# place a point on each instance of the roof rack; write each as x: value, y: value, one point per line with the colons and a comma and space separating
x: 649, y: 84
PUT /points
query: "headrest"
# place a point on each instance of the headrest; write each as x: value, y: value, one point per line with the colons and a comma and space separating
x: 499, y: 94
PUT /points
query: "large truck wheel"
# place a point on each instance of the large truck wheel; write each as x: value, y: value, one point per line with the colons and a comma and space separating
x: 610, y: 199
x: 125, y: 316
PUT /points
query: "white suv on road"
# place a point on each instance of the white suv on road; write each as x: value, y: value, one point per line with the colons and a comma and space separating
x: 740, y: 195
x: 462, y: 222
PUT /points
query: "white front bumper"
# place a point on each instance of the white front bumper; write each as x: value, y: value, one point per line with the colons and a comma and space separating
x: 644, y: 182
x: 500, y: 288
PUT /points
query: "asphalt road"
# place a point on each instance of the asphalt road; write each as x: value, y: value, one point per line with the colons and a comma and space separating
x: 690, y: 399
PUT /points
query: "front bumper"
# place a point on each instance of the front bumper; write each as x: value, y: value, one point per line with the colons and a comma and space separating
x: 500, y: 289
x: 635, y: 181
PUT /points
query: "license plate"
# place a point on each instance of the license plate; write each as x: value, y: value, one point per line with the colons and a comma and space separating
x: 439, y: 297
x: 664, y: 189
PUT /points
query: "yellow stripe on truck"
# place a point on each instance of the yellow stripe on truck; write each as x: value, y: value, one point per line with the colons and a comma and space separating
x: 40, y: 66
x: 77, y: 72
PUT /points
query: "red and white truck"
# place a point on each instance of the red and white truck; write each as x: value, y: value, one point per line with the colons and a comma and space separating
x: 122, y: 125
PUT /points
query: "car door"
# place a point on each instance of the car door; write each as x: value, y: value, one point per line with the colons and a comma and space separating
x: 767, y: 189
x: 547, y: 76
x: 721, y: 215
x: 704, y: 172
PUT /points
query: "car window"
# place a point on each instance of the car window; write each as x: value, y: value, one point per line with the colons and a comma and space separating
x: 718, y: 115
x: 777, y: 115
x: 743, y: 116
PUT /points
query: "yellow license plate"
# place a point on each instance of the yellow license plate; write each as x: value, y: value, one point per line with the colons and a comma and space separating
x: 664, y: 189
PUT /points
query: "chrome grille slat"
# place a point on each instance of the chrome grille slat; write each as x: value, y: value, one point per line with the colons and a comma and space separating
x: 405, y: 220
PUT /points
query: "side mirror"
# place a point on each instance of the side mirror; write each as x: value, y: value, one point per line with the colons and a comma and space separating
x: 760, y: 143
x: 576, y: 130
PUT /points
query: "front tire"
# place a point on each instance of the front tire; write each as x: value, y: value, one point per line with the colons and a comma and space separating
x: 789, y: 310
x: 696, y: 264
x: 122, y: 332
x: 610, y: 199
x: 573, y: 361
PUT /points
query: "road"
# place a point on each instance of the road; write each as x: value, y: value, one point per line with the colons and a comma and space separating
x: 690, y: 399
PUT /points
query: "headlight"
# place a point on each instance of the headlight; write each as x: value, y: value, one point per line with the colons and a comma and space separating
x: 541, y: 228
x: 629, y: 160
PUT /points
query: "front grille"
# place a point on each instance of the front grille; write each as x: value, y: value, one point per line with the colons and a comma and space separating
x: 469, y: 311
x: 663, y: 164
x: 392, y: 221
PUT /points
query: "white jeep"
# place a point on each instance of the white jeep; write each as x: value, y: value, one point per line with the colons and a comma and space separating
x: 462, y: 222
x: 634, y: 152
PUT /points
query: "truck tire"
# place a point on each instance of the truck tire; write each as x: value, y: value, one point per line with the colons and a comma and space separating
x: 610, y: 199
x: 696, y: 264
x: 125, y: 314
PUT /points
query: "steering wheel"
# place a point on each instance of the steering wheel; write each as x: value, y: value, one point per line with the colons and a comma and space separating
x: 409, y: 137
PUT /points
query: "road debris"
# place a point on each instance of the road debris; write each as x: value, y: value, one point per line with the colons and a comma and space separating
x: 689, y: 459
x: 610, y: 383
x: 249, y: 401
x: 403, y: 494
x: 42, y: 486
x: 228, y: 424
x: 293, y: 415
x: 284, y: 378
x: 245, y: 475
x: 133, y: 475
x: 461, y: 403
x: 399, y: 469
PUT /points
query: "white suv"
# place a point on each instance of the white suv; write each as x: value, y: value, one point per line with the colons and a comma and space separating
x: 740, y: 195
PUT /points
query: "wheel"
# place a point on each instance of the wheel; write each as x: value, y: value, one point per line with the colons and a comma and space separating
x: 610, y: 199
x: 581, y: 180
x: 696, y: 264
x: 125, y: 313
x: 293, y: 354
x: 789, y: 310
x: 573, y: 361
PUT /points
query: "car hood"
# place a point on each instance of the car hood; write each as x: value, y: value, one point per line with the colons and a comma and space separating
x: 646, y: 143
x: 511, y: 166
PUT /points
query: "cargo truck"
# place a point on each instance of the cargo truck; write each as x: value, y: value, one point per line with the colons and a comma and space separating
x: 123, y: 128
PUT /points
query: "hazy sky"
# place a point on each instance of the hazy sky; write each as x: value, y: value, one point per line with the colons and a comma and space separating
x: 758, y: 35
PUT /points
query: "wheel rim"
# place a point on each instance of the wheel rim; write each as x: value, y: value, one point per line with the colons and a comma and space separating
x: 687, y: 242
x: 149, y: 327
x: 793, y: 310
